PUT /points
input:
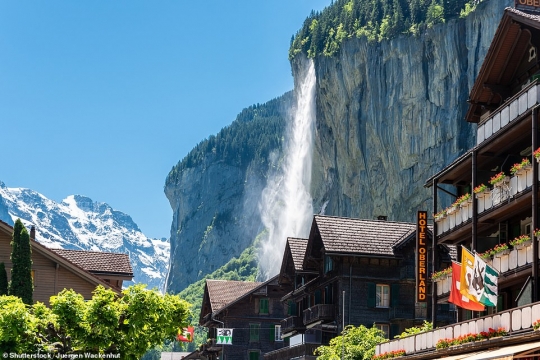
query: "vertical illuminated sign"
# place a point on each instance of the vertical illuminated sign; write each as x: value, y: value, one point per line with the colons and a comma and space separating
x: 421, y: 256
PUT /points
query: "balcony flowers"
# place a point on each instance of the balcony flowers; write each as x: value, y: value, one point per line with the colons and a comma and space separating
x: 536, y: 154
x: 536, y: 325
x: 462, y: 200
x: 537, y: 233
x: 521, y: 241
x: 440, y: 275
x: 389, y: 355
x: 467, y: 338
x: 499, y: 250
x: 480, y: 189
x: 519, y: 166
x: 498, y: 179
x: 440, y: 215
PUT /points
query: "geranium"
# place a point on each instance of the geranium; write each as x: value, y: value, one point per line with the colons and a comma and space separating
x: 537, y: 233
x: 518, y: 166
x: 463, y: 339
x: 497, y: 178
x: 536, y: 154
x: 441, y: 214
x: 520, y: 240
x: 438, y: 275
x: 460, y: 200
x: 486, y: 255
x: 389, y: 355
x: 480, y: 188
x: 498, y: 249
x: 536, y: 325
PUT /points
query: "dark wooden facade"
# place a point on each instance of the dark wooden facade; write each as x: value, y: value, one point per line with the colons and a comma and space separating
x: 346, y: 263
x: 52, y: 272
x: 504, y: 103
x: 254, y: 312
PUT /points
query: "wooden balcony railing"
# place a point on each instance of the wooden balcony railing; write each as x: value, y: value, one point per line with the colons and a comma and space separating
x: 292, y: 323
x: 324, y: 312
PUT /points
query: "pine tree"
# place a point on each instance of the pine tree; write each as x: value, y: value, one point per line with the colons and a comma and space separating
x: 21, y: 283
x: 3, y: 280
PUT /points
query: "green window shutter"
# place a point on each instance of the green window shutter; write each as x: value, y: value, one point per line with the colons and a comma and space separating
x: 371, y: 295
x: 253, y: 355
x: 254, y: 332
x: 317, y: 296
x: 394, y: 295
x: 272, y: 332
x: 263, y: 306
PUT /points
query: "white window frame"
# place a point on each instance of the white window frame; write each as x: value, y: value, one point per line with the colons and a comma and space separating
x: 277, y: 333
x: 382, y: 299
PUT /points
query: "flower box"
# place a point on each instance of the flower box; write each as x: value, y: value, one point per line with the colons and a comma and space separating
x: 502, y: 253
x: 523, y: 245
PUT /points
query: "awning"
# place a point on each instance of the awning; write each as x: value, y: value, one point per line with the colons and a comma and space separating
x: 505, y: 353
x: 460, y: 356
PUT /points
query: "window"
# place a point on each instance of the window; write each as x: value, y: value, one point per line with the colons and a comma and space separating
x: 277, y: 333
x: 263, y: 306
x: 254, y: 332
x: 385, y: 328
x: 383, y: 296
x: 328, y: 264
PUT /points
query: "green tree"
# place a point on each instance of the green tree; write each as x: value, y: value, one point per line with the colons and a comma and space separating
x: 426, y: 326
x: 355, y: 343
x: 128, y: 325
x: 3, y: 279
x: 21, y: 284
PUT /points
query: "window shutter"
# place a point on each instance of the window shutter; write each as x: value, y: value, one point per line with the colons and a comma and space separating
x: 272, y: 332
x: 371, y: 295
x: 394, y: 295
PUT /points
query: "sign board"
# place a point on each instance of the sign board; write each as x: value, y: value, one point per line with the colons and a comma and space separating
x: 421, y: 256
x: 530, y: 5
x: 224, y: 337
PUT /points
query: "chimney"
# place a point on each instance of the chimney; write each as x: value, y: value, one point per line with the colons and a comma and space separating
x: 33, y: 232
x: 382, y: 217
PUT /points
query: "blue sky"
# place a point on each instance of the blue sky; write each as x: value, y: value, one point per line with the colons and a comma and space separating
x: 103, y: 98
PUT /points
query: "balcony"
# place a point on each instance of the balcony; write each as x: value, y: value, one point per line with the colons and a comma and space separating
x: 300, y: 352
x: 293, y: 323
x: 515, y: 321
x: 321, y: 312
x: 508, y: 112
x: 401, y: 313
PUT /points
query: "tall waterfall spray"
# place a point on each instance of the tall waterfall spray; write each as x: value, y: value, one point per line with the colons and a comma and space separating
x: 286, y: 206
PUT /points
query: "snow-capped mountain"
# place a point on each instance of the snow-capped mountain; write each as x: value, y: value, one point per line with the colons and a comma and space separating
x: 82, y: 224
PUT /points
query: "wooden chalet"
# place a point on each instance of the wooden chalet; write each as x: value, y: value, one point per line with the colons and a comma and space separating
x: 55, y: 270
x: 504, y: 104
x: 350, y: 272
x: 252, y: 309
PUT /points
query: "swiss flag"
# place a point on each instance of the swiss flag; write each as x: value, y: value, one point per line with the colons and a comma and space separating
x: 186, y: 335
x: 456, y: 297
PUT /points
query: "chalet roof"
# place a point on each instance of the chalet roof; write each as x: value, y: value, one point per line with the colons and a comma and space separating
x: 298, y: 250
x: 495, y: 78
x: 377, y: 237
x: 223, y: 292
x: 98, y: 262
x: 59, y: 259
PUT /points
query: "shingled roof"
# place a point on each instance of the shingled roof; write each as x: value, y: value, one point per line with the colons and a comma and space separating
x: 298, y: 250
x: 98, y: 262
x: 223, y: 292
x: 346, y: 235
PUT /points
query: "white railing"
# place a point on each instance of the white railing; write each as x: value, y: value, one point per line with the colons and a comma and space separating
x: 513, y: 320
x: 508, y: 112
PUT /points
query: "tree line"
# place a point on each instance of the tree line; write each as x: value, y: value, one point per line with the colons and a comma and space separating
x: 323, y: 32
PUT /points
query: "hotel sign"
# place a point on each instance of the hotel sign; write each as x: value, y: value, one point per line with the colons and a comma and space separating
x: 531, y: 5
x: 421, y: 256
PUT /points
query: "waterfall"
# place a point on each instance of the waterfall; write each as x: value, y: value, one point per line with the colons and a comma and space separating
x: 286, y: 206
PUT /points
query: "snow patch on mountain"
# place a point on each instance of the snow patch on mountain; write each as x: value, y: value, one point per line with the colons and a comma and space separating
x: 80, y: 223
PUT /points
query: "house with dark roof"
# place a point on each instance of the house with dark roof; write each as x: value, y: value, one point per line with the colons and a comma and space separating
x: 350, y: 272
x: 252, y: 309
x: 55, y: 270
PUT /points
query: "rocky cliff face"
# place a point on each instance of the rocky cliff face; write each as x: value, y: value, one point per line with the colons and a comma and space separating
x: 390, y: 115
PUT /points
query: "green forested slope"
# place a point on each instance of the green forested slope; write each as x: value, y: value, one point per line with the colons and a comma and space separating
x: 323, y: 32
